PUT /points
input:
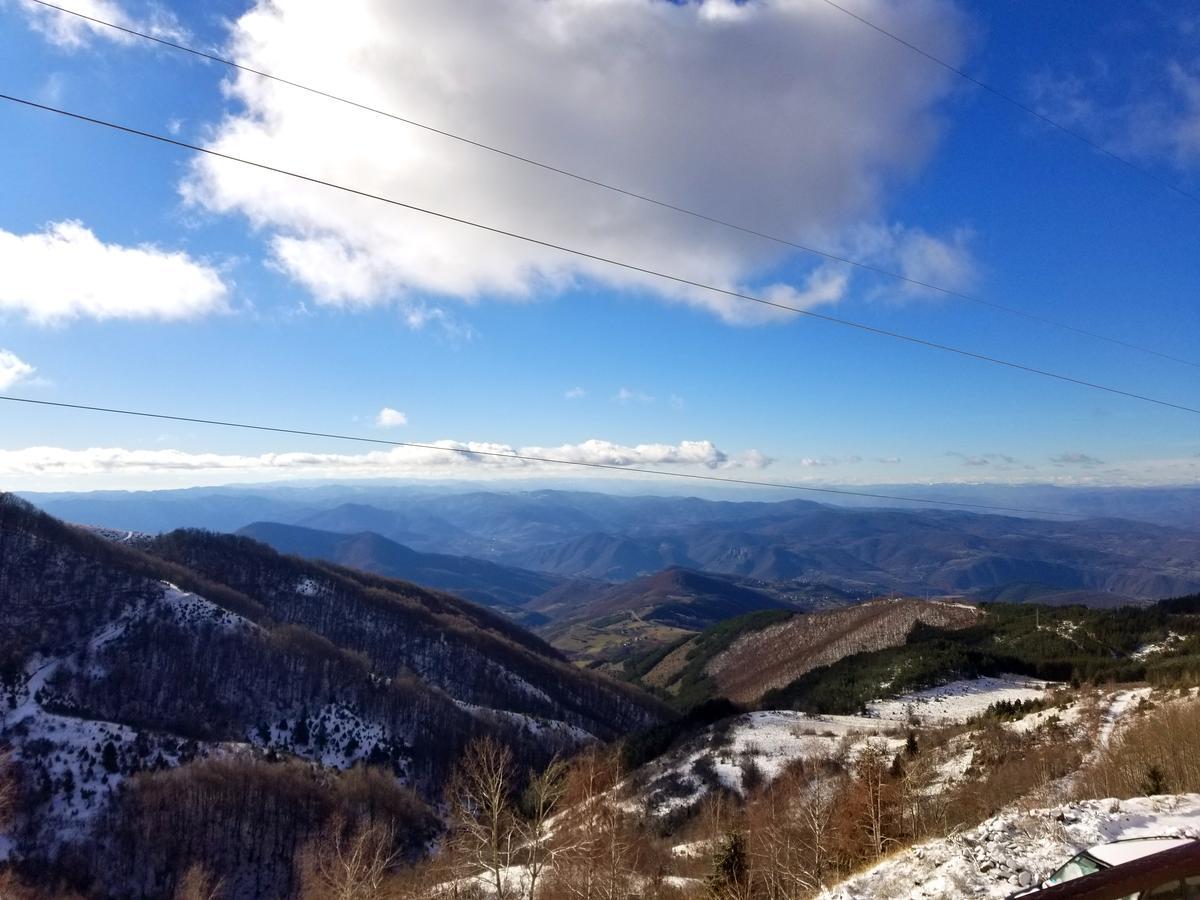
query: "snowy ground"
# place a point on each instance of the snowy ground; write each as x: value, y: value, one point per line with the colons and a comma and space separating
x: 66, y: 754
x: 189, y: 609
x: 1017, y: 849
x: 1148, y: 650
x: 1118, y: 708
x: 531, y: 724
x: 958, y: 701
x: 771, y: 739
x: 767, y: 739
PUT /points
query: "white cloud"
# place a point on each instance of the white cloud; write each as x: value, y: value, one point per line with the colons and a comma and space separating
x: 824, y: 285
x: 1151, y: 115
x: 625, y: 396
x: 390, y: 418
x: 467, y: 457
x: 769, y: 113
x: 13, y: 369
x: 65, y: 272
x: 575, y: 393
x: 71, y: 32
x: 1002, y: 460
x: 945, y: 262
x: 810, y: 462
x: 1076, y: 459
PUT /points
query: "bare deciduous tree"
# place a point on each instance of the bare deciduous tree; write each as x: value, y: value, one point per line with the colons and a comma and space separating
x: 595, y: 853
x: 543, y: 796
x: 350, y: 864
x: 485, y: 832
x: 875, y: 795
x: 198, y: 884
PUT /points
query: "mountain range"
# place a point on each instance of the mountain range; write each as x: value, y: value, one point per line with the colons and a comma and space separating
x: 190, y: 650
x: 602, y: 537
x: 504, y: 588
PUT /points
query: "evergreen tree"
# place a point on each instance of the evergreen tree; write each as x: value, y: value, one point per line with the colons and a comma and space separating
x: 730, y: 873
x: 109, y: 758
x: 1155, y: 781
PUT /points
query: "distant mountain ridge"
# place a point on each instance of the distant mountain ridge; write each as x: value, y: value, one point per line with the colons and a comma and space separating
x: 583, y: 616
x: 678, y: 597
x: 575, y: 534
x: 504, y: 588
x: 231, y: 507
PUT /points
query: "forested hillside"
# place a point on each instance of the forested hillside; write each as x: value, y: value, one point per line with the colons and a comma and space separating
x: 838, y: 660
x: 136, y: 678
x: 1159, y: 644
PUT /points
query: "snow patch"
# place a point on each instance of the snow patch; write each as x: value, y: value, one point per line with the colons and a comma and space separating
x: 191, y: 609
x: 958, y: 701
x: 1148, y: 650
x: 1016, y: 849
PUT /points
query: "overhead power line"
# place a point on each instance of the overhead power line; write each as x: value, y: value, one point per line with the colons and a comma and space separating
x: 715, y: 220
x: 525, y: 457
x: 583, y: 254
x: 1014, y: 102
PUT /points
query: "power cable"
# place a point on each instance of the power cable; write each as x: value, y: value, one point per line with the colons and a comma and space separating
x: 677, y: 279
x: 725, y: 223
x: 524, y: 457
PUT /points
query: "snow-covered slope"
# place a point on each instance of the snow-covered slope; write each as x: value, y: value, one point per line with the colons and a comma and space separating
x: 1018, y: 849
x: 958, y: 701
x: 765, y: 742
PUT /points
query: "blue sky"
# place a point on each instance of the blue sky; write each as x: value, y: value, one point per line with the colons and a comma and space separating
x: 257, y: 300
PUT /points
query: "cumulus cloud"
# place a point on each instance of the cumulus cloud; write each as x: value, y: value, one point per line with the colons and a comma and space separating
x: 575, y: 393
x: 13, y: 369
x: 72, y: 32
x: 769, y: 113
x: 439, y: 458
x: 390, y: 418
x: 65, y: 272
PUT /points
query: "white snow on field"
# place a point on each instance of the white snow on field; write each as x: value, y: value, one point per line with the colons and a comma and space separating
x: 1119, y: 707
x: 1065, y: 715
x: 773, y: 738
x: 770, y: 739
x: 189, y: 609
x: 65, y: 754
x: 1148, y: 650
x: 692, y: 849
x: 531, y: 724
x: 337, y: 736
x: 1018, y: 849
x: 958, y: 701
x: 307, y: 587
